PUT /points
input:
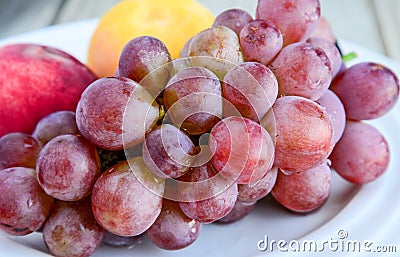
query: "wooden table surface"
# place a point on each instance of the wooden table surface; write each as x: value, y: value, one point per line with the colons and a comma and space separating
x: 374, y: 24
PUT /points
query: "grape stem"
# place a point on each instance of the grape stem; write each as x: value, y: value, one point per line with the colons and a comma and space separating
x: 348, y: 57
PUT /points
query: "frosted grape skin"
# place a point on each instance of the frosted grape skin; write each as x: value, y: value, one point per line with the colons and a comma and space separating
x: 303, y: 133
x: 55, y: 124
x: 167, y: 151
x: 208, y: 201
x: 193, y: 100
x: 367, y: 90
x: 71, y: 230
x: 173, y: 230
x: 303, y: 191
x: 260, y: 41
x: 334, y: 107
x: 24, y: 206
x: 249, y: 194
x: 67, y: 167
x: 302, y: 70
x: 126, y: 198
x: 362, y: 154
x: 18, y: 149
x: 249, y: 89
x: 243, y: 151
x: 146, y: 60
x: 296, y: 19
x: 234, y: 19
x: 115, y: 112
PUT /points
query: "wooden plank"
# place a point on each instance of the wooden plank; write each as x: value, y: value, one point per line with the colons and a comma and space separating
x: 388, y: 13
x: 354, y: 21
x: 18, y: 16
x: 74, y: 10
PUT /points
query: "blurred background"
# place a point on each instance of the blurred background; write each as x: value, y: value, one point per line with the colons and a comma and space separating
x: 374, y: 24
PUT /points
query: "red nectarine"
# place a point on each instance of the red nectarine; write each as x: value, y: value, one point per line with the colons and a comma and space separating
x: 35, y: 81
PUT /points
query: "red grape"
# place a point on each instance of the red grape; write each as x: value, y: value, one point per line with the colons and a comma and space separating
x: 324, y: 30
x: 146, y: 59
x: 24, y: 206
x: 55, y: 124
x: 167, y: 151
x: 18, y: 149
x: 334, y: 107
x: 193, y: 100
x: 243, y: 151
x: 331, y: 51
x: 239, y: 211
x: 261, y: 41
x: 296, y: 19
x: 207, y: 196
x: 67, y: 167
x: 220, y: 43
x: 362, y: 154
x: 173, y: 230
x: 234, y: 19
x: 114, y: 240
x: 71, y: 230
x: 126, y: 199
x: 302, y: 70
x: 114, y: 112
x: 250, y: 89
x: 303, y: 191
x: 303, y: 133
x: 367, y: 90
x: 261, y: 189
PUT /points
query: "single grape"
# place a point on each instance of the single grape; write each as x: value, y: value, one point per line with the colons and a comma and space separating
x: 71, y: 230
x: 206, y: 197
x: 334, y: 107
x: 114, y: 240
x: 302, y: 70
x: 367, y: 90
x: 55, y: 124
x: 250, y: 194
x: 173, y: 230
x: 362, y: 154
x: 146, y: 59
x: 18, y: 149
x: 239, y: 211
x: 24, y: 206
x: 167, y: 151
x: 261, y: 41
x: 220, y: 44
x: 243, y: 151
x: 67, y: 167
x: 193, y: 100
x: 115, y: 112
x: 302, y: 130
x: 126, y: 199
x: 235, y: 19
x: 296, y: 19
x: 331, y: 51
x: 324, y: 30
x: 249, y: 89
x: 303, y: 191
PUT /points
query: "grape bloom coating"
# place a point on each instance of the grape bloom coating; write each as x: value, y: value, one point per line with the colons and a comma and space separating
x: 67, y: 167
x: 24, y: 206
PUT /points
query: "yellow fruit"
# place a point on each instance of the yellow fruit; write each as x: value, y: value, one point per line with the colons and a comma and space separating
x: 171, y: 21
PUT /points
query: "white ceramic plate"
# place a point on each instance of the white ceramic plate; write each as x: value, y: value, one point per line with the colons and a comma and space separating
x: 351, y: 214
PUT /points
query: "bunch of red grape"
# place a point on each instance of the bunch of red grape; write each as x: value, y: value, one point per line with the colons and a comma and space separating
x: 253, y: 106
